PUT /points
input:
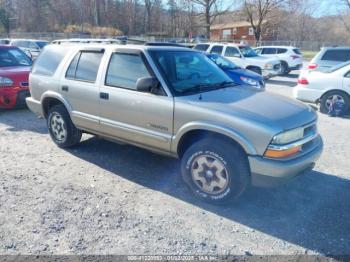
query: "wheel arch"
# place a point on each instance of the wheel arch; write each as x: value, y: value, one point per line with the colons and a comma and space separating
x: 50, y: 99
x: 190, y: 134
x: 334, y: 90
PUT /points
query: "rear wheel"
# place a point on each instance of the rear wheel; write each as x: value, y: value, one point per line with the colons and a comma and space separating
x: 61, y: 129
x: 215, y: 170
x: 284, y: 68
x: 334, y: 96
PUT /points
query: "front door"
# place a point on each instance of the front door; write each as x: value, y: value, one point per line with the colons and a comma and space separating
x: 145, y: 118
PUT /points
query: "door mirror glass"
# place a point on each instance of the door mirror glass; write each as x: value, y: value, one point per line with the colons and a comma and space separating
x: 146, y: 84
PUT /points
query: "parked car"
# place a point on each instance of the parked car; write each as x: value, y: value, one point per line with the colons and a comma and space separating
x: 5, y: 41
x: 329, y: 57
x: 291, y: 57
x: 245, y: 57
x: 175, y: 101
x: 237, y: 74
x: 15, y: 66
x: 325, y: 86
x: 31, y: 47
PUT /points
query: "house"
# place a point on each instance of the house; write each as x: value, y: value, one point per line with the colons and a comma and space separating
x: 234, y: 31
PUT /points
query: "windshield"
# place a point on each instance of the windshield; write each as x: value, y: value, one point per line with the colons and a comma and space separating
x: 223, y: 62
x: 13, y: 57
x: 41, y: 44
x: 247, y: 51
x: 190, y: 72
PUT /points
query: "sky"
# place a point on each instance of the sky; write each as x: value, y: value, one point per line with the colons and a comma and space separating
x: 325, y: 7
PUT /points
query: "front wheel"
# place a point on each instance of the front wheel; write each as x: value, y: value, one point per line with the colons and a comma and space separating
x: 61, y: 129
x: 215, y: 171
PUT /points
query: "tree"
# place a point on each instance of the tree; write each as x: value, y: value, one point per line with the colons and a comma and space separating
x: 210, y: 9
x: 258, y: 12
x: 343, y: 16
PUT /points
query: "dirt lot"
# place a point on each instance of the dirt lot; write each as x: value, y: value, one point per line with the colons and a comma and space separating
x: 103, y: 198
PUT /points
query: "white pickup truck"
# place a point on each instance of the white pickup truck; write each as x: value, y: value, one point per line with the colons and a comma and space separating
x: 245, y: 57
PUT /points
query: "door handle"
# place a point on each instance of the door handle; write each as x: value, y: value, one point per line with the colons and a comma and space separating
x: 65, y: 88
x: 104, y: 96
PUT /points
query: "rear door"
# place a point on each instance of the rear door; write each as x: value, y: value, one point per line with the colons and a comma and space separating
x: 131, y: 115
x: 80, y: 88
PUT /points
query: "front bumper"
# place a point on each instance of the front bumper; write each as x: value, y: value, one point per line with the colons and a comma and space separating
x: 268, y: 73
x: 269, y: 172
x: 13, y: 97
x: 296, y: 67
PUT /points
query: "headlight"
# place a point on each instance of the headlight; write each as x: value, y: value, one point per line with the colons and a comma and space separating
x: 288, y: 136
x: 269, y: 66
x: 250, y: 81
x: 5, y: 81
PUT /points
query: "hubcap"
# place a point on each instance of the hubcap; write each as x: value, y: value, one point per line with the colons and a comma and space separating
x: 209, y: 174
x: 333, y: 99
x: 58, y: 127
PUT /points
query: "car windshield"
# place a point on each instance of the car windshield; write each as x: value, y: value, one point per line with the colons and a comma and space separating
x: 189, y: 72
x: 247, y: 51
x: 13, y: 57
x: 41, y: 44
x: 223, y: 62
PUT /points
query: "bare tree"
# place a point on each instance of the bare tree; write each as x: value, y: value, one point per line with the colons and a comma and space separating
x: 259, y: 11
x: 210, y: 9
x: 344, y: 15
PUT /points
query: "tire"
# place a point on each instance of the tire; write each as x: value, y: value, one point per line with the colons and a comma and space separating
x: 284, y: 68
x: 255, y: 70
x: 324, y: 103
x: 61, y: 129
x: 220, y: 155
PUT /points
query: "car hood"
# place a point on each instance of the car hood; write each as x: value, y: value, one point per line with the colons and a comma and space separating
x: 267, y: 109
x: 16, y: 73
x: 246, y: 73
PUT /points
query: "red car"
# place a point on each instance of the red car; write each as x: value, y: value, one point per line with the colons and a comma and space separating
x: 15, y: 66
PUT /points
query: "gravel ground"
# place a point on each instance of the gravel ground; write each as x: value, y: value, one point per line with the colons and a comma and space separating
x: 103, y: 198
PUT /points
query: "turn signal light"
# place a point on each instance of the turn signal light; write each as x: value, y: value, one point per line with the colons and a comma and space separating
x: 282, y: 153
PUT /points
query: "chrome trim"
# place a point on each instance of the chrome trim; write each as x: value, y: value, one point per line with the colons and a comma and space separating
x: 294, y: 144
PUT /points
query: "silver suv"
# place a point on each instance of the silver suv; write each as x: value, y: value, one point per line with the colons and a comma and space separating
x: 175, y: 101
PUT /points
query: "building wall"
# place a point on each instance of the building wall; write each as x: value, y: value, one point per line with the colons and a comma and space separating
x: 237, y: 33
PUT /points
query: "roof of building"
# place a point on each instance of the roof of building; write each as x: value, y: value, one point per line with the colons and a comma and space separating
x: 232, y: 25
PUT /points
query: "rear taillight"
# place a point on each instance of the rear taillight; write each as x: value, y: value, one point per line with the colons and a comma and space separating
x: 312, y: 66
x: 303, y: 81
x: 295, y: 57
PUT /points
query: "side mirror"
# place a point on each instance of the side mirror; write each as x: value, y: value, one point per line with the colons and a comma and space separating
x: 146, y: 84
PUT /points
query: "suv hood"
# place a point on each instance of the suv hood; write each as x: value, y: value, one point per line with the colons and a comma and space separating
x: 267, y: 109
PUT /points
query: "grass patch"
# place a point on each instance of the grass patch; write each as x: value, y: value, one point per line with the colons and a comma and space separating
x: 309, y: 54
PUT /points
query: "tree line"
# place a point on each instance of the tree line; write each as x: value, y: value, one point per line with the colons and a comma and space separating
x: 289, y: 19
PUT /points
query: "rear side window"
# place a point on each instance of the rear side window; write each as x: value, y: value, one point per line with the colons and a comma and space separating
x: 341, y: 55
x: 269, y: 51
x: 48, y: 61
x: 217, y: 49
x: 84, y: 66
x: 297, y: 51
x: 124, y: 70
x: 201, y: 47
x: 281, y: 50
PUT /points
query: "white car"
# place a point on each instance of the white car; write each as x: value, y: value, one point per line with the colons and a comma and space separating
x: 291, y: 57
x: 244, y: 56
x: 324, y: 87
x: 29, y: 46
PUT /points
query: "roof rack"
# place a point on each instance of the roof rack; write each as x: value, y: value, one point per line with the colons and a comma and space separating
x: 88, y: 41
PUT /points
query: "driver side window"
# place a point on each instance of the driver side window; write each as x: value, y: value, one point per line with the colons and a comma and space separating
x: 232, y: 52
